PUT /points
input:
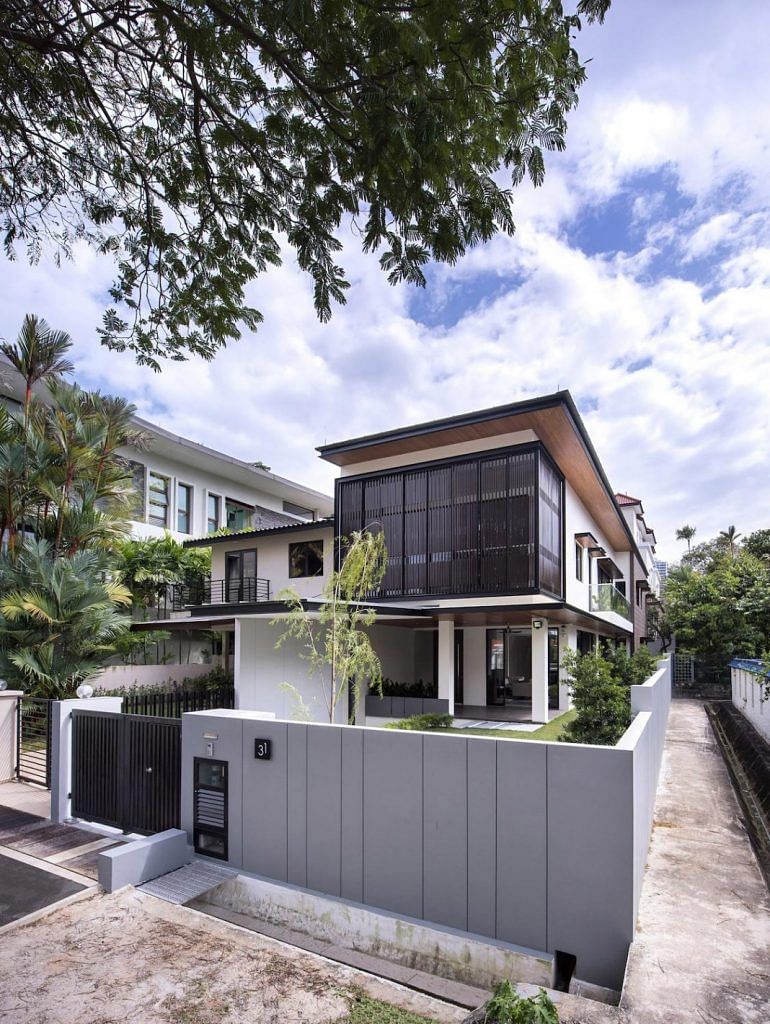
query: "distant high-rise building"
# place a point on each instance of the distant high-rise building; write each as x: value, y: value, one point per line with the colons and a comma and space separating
x: 662, y: 568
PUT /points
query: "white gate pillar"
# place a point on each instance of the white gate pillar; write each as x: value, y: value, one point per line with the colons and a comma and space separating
x: 61, y: 748
x: 540, y: 670
x: 446, y: 662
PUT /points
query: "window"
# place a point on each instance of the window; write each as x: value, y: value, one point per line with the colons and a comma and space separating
x: 138, y: 482
x: 159, y: 503
x: 212, y: 513
x: 237, y: 515
x: 306, y: 558
x: 184, y: 503
x: 579, y: 561
x: 298, y: 510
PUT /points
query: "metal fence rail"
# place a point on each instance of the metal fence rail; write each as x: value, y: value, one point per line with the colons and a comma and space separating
x: 174, y: 703
x: 33, y: 740
x: 126, y: 770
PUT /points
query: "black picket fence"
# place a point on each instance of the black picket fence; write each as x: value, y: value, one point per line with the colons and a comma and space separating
x: 174, y: 703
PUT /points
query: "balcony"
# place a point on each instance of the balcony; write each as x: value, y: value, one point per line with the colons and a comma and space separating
x: 605, y: 597
x: 249, y: 590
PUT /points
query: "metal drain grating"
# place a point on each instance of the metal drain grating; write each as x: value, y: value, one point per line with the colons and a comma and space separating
x: 188, y: 883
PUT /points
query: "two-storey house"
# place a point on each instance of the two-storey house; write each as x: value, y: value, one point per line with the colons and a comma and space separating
x: 505, y: 542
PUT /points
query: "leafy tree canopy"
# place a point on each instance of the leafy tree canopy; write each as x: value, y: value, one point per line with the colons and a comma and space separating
x: 190, y: 140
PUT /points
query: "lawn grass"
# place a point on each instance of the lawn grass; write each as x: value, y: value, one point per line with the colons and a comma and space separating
x: 551, y: 731
x: 365, y: 1010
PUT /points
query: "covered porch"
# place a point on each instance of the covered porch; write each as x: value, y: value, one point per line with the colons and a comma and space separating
x: 487, y: 665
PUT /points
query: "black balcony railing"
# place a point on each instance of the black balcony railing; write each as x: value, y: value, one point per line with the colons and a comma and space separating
x: 244, y: 591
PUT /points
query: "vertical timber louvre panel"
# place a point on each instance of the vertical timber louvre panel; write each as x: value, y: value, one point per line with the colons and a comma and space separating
x: 126, y: 770
x: 488, y: 524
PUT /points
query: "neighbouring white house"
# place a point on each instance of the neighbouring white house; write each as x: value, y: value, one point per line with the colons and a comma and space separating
x: 647, y: 578
x: 188, y: 489
x: 506, y: 545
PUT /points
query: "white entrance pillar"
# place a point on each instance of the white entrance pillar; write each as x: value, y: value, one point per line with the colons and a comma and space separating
x: 446, y: 662
x: 567, y: 641
x: 539, y: 670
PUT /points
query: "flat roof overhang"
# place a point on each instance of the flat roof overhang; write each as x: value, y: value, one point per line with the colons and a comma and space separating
x: 554, y: 418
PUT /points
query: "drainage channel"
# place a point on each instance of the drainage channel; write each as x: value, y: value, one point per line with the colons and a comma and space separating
x: 747, y: 757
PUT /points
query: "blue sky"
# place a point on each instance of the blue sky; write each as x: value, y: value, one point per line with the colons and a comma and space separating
x: 639, y: 277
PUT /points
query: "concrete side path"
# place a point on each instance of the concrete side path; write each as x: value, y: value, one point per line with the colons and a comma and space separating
x: 702, y: 949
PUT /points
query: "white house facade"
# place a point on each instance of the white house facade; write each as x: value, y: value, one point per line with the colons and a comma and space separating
x: 506, y: 546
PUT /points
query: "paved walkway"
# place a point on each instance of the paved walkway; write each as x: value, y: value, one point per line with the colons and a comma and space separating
x: 702, y: 949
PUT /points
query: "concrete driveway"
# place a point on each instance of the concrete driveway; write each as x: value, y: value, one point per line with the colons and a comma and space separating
x: 25, y: 889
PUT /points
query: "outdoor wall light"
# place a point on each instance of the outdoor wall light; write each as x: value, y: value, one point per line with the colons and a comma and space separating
x: 537, y: 623
x: 84, y: 691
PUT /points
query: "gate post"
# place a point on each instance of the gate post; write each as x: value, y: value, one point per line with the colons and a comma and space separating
x: 61, y: 748
x: 9, y: 700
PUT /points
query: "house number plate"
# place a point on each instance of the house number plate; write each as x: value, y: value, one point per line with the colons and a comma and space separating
x: 263, y: 749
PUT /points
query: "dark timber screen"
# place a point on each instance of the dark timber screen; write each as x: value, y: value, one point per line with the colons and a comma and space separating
x: 487, y: 524
x: 126, y: 770
x: 33, y: 740
x: 175, y: 703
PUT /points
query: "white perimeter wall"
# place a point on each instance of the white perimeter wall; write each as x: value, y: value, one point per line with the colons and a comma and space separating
x: 119, y: 677
x: 747, y: 697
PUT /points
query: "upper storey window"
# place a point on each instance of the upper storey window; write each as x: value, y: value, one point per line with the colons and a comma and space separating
x: 478, y: 525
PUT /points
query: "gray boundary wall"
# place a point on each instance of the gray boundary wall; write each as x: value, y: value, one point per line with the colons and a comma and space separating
x: 541, y: 845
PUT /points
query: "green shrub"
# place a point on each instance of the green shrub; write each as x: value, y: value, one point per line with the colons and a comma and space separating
x: 507, y: 1007
x: 216, y: 679
x: 392, y: 688
x: 603, y: 705
x: 423, y: 723
x: 633, y: 670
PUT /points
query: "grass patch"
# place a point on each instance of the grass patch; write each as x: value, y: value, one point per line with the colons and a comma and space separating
x: 551, y: 731
x: 365, y: 1010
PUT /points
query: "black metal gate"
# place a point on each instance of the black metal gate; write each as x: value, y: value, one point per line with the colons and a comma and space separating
x: 33, y: 740
x: 126, y: 770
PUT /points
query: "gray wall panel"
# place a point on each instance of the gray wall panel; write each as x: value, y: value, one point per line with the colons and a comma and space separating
x: 521, y: 843
x: 445, y: 830
x: 591, y: 858
x: 265, y: 809
x: 393, y: 821
x: 296, y: 794
x: 324, y: 809
x: 482, y: 834
x: 352, y: 838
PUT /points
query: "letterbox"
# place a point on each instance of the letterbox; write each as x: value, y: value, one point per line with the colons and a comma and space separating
x: 210, y: 807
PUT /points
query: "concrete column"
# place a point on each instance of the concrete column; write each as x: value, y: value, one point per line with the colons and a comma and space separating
x: 540, y: 671
x: 567, y: 641
x: 61, y: 748
x: 446, y: 662
x: 8, y: 730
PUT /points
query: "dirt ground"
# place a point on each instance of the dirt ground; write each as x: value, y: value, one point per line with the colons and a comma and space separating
x: 128, y: 958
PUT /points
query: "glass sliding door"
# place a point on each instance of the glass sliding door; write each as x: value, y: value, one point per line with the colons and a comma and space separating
x: 241, y: 576
x: 509, y: 667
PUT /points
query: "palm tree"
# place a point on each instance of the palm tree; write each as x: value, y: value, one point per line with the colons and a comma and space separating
x: 59, y: 618
x: 39, y: 353
x: 686, y: 533
x: 730, y: 537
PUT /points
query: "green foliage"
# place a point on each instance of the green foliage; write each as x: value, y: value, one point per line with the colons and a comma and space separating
x: 189, y: 142
x: 686, y: 533
x: 59, y: 619
x: 147, y: 566
x: 507, y: 1007
x: 423, y: 723
x: 392, y: 688
x: 631, y: 670
x: 718, y: 603
x: 758, y: 544
x: 135, y: 648
x: 216, y: 679
x: 365, y: 1010
x: 602, y: 702
x: 61, y: 475
x: 334, y: 640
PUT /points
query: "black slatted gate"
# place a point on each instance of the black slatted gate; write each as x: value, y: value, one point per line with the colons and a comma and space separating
x: 126, y: 770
